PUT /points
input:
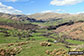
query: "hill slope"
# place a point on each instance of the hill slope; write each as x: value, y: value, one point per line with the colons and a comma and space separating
x: 51, y: 16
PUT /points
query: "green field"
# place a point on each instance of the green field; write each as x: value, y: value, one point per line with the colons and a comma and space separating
x: 34, y: 48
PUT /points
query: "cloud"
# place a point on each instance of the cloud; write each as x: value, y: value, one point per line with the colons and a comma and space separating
x: 8, y: 9
x: 59, y: 10
x: 11, y: 0
x: 46, y: 11
x: 65, y: 2
x: 8, y: 0
x: 16, y: 1
x: 79, y: 12
x: 56, y: 11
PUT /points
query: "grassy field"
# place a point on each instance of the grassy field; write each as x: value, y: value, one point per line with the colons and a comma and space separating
x: 75, y: 41
x: 37, y: 50
x: 34, y: 48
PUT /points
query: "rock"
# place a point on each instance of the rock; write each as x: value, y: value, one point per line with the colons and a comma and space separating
x: 49, y: 44
x: 59, y: 53
x: 55, y: 41
x: 47, y: 52
x: 45, y: 44
x: 11, y: 44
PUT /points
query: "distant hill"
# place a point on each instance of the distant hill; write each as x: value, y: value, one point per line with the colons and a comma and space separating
x: 74, y: 31
x: 18, y: 17
x: 52, y: 16
x: 42, y: 17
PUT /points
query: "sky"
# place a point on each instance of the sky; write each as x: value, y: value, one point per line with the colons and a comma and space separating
x: 41, y: 6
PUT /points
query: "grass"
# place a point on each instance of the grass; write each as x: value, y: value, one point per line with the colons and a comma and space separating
x: 12, y: 21
x: 6, y: 20
x: 52, y: 23
x: 10, y: 39
x: 37, y: 50
x: 37, y: 37
x: 75, y: 41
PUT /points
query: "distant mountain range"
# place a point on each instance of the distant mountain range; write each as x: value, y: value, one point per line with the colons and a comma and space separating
x: 42, y: 17
x: 19, y: 17
x: 57, y: 16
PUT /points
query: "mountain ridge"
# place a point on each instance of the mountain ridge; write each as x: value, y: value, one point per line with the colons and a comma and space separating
x: 50, y: 16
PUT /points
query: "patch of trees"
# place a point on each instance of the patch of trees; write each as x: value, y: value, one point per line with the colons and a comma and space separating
x: 55, y: 27
x: 34, y: 20
x: 6, y: 34
x: 21, y: 26
x: 23, y: 18
x: 16, y: 33
x: 80, y: 21
x: 46, y: 34
x: 66, y: 23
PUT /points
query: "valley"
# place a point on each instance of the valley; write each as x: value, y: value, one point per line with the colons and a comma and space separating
x: 48, y: 34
